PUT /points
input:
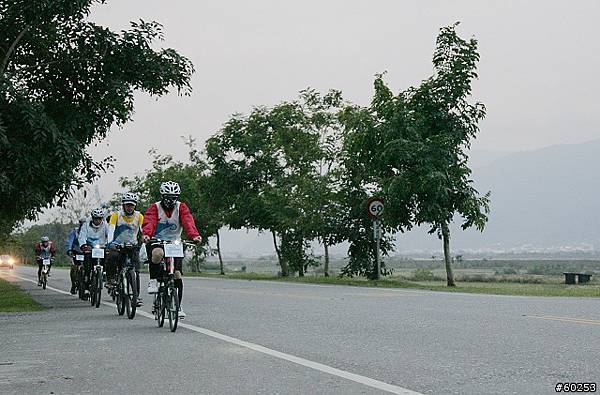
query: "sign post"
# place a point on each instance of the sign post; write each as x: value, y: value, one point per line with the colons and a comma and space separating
x: 375, y: 209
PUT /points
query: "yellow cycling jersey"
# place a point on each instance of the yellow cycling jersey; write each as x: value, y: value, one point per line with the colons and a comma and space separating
x: 124, y: 228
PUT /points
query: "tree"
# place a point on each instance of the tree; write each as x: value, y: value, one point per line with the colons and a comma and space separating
x: 431, y: 127
x: 191, y: 178
x: 410, y: 148
x: 365, y: 174
x: 447, y: 122
x: 64, y: 81
x: 79, y: 205
x: 274, y: 166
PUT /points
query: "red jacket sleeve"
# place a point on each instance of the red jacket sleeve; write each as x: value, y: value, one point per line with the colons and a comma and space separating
x: 150, y: 221
x: 52, y: 250
x: 187, y: 221
x: 38, y: 249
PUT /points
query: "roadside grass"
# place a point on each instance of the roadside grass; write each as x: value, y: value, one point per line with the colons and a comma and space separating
x: 505, y: 287
x: 14, y: 299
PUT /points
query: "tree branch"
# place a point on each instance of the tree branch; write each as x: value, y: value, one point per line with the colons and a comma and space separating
x: 11, y: 49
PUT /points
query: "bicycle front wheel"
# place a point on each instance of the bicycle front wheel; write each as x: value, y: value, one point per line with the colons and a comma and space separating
x: 93, y: 289
x: 120, y: 292
x: 98, y: 289
x: 131, y: 294
x: 160, y: 308
x: 173, y: 308
x: 81, y: 284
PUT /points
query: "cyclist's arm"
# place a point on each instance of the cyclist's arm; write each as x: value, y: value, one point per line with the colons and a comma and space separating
x: 112, y: 224
x: 187, y: 221
x: 83, y: 235
x: 150, y: 221
x: 69, y: 241
x: 141, y: 232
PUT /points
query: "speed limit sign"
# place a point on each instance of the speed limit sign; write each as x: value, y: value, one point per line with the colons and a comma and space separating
x: 375, y: 207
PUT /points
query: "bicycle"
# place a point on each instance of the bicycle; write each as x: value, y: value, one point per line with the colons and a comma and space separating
x: 166, y: 300
x: 46, y: 262
x: 125, y: 293
x: 96, y: 278
x: 78, y: 261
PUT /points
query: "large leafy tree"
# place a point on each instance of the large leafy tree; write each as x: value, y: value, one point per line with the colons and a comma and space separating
x: 365, y: 174
x: 276, y: 167
x: 428, y: 131
x: 198, y: 190
x: 64, y: 81
x: 440, y: 110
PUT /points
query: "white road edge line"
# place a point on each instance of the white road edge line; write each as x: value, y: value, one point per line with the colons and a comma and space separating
x: 369, y: 382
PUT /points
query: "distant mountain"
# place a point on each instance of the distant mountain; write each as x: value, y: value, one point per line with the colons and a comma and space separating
x: 544, y: 199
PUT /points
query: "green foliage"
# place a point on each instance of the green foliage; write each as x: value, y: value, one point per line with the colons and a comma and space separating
x: 411, y: 148
x: 423, y: 275
x: 64, y: 81
x: 303, y: 170
x: 506, y: 270
x: 198, y: 191
x: 277, y: 171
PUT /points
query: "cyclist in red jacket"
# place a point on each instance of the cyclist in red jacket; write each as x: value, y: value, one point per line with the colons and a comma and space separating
x: 166, y: 220
x: 44, y: 250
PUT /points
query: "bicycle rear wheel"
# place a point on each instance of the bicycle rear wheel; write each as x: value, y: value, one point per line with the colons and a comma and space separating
x: 173, y: 308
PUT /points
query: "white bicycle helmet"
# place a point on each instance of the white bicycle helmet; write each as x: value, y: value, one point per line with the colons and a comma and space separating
x: 170, y: 188
x: 98, y: 213
x: 129, y: 197
x: 45, y: 238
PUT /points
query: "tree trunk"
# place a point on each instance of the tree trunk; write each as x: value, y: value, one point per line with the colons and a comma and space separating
x: 447, y: 257
x: 219, y: 252
x: 326, y: 267
x: 285, y: 272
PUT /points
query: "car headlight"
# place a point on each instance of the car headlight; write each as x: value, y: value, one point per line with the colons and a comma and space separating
x: 11, y: 260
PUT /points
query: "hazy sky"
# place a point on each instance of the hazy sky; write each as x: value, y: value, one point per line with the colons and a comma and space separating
x: 538, y: 71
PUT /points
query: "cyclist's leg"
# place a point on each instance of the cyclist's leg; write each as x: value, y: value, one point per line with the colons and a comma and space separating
x: 73, y: 271
x: 135, y: 261
x: 75, y: 274
x: 112, y: 264
x: 39, y: 262
x: 87, y: 269
x: 156, y: 254
x: 178, y: 277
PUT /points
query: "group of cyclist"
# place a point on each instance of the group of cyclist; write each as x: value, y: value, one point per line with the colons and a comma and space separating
x: 164, y: 220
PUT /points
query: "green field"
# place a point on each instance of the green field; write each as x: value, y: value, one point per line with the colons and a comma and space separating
x: 550, y: 286
x: 13, y: 299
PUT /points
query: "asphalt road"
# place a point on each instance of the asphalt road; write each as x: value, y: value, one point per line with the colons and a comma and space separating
x: 280, y: 338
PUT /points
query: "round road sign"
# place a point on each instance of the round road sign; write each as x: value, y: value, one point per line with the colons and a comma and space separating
x: 375, y: 207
